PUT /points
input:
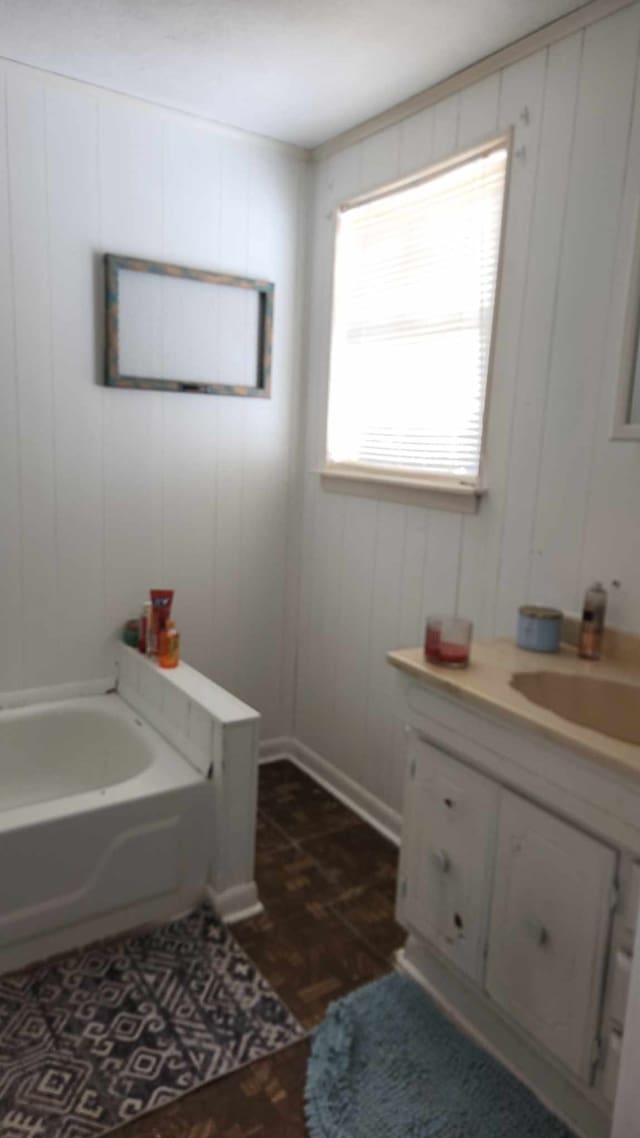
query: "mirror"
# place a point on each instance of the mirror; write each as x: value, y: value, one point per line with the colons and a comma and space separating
x: 626, y: 424
x: 171, y: 328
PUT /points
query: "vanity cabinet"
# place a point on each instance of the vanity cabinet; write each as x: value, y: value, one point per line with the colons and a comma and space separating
x: 448, y: 838
x: 550, y: 920
x: 514, y: 897
x: 519, y: 878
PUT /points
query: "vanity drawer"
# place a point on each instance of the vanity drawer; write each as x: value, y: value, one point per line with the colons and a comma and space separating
x: 448, y: 838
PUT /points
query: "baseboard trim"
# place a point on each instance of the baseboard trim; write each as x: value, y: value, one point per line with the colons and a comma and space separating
x: 383, y: 819
x: 274, y: 749
x: 237, y: 903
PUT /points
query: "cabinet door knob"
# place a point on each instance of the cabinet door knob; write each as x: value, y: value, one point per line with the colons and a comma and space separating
x: 442, y: 860
x: 537, y: 931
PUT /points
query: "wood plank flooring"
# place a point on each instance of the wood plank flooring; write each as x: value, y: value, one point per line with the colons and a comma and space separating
x: 327, y: 881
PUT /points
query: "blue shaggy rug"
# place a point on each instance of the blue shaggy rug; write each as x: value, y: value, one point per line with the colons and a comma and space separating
x: 387, y: 1064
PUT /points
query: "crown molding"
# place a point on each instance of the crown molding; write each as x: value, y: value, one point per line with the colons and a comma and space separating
x: 575, y: 21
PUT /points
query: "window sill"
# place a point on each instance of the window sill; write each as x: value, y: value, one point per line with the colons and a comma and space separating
x: 434, y: 495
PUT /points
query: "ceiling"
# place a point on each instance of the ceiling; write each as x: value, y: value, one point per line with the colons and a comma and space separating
x: 297, y: 70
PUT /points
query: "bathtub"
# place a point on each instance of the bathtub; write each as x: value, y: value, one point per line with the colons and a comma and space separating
x: 107, y: 822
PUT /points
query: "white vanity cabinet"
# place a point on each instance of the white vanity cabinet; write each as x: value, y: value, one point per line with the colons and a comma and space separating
x: 516, y: 898
x: 518, y: 887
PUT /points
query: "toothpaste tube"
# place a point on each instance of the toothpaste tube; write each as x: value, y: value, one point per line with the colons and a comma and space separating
x: 161, y: 601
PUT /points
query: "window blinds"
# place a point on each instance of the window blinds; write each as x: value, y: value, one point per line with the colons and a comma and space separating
x: 414, y: 289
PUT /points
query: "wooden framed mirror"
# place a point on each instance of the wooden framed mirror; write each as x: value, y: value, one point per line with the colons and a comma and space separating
x: 173, y: 328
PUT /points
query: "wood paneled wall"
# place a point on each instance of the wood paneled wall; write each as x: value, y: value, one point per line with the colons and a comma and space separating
x: 104, y: 493
x: 564, y: 502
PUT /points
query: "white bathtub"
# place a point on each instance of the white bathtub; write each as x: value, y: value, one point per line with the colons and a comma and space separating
x: 104, y: 824
x: 56, y: 750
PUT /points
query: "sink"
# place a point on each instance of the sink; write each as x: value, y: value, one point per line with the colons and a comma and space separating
x: 603, y: 705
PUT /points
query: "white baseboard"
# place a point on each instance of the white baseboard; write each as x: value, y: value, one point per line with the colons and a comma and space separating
x: 274, y: 749
x: 356, y: 797
x: 237, y: 903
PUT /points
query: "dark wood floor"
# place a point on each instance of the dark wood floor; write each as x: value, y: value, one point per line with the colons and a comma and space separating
x: 327, y: 882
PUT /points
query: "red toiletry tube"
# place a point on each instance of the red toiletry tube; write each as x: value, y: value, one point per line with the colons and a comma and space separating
x: 161, y: 601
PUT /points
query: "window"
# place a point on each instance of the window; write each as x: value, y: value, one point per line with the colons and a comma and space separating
x: 414, y: 289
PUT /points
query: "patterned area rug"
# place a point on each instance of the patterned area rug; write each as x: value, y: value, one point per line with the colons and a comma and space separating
x: 98, y: 1037
x: 386, y: 1064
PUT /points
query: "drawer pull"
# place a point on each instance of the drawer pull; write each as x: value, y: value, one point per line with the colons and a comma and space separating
x: 442, y: 860
x: 536, y: 929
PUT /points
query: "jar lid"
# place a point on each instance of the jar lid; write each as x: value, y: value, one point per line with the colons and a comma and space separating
x: 539, y: 612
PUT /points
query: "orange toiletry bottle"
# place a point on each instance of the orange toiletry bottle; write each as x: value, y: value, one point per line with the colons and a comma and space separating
x: 170, y: 654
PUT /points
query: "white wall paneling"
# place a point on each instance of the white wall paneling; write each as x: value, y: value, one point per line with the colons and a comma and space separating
x: 11, y: 592
x: 72, y: 180
x: 26, y: 141
x: 106, y: 492
x: 530, y: 398
x: 521, y: 90
x: 603, y: 116
x: 285, y: 592
x: 563, y: 500
x: 614, y: 470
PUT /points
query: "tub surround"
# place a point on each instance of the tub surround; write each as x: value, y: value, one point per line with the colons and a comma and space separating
x: 218, y: 734
x: 157, y: 787
x: 125, y: 839
x: 520, y: 867
x: 56, y: 693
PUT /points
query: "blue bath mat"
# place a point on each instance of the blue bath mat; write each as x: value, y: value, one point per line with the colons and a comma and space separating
x: 387, y: 1064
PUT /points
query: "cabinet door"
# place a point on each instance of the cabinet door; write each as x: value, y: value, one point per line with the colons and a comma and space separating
x: 449, y: 823
x: 549, y: 924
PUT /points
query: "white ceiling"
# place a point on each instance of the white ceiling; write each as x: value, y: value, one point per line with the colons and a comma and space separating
x: 298, y: 70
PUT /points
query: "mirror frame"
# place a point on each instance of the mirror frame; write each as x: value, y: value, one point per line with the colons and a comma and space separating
x: 622, y: 429
x: 113, y: 264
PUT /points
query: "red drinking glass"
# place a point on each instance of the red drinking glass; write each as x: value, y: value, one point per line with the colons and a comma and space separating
x: 448, y: 641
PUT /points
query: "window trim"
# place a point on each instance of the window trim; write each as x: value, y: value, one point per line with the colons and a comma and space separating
x: 437, y: 490
x: 343, y: 478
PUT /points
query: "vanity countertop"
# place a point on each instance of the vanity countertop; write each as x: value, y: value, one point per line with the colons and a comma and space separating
x: 486, y: 683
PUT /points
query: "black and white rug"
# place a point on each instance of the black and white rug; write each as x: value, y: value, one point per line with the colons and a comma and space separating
x: 98, y: 1037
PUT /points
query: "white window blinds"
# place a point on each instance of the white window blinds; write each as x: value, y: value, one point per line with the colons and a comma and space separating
x: 414, y: 289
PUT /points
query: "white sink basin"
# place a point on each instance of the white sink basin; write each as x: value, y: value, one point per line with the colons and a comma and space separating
x: 603, y: 705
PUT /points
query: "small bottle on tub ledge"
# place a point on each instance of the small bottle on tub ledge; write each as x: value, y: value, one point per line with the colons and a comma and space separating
x: 161, y: 601
x: 170, y: 650
x: 144, y: 638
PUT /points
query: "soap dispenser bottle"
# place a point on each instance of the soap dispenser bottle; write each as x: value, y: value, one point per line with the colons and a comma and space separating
x: 592, y: 627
